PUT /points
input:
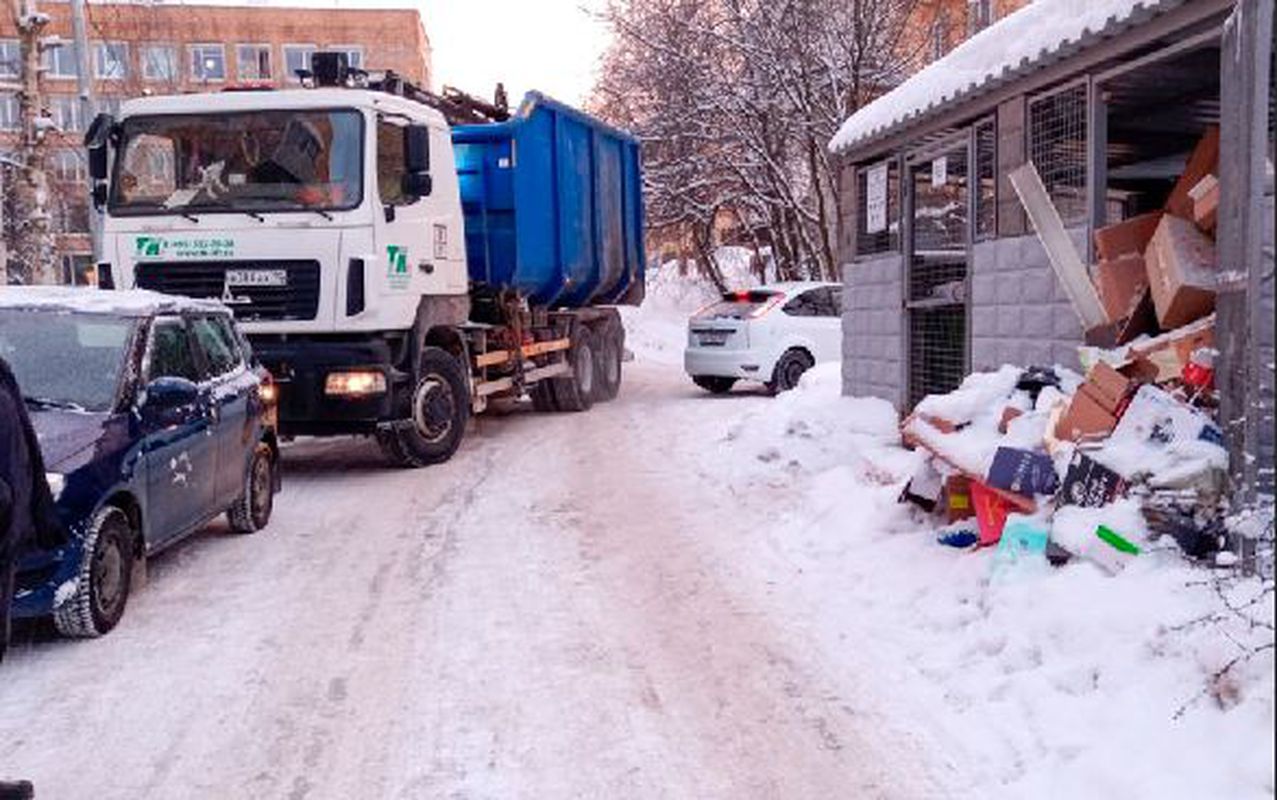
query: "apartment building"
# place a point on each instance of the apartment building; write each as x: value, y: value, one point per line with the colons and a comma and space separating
x: 157, y: 48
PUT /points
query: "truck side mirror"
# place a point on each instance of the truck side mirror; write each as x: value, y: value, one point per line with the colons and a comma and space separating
x: 416, y: 148
x: 418, y: 185
x: 96, y: 140
x: 99, y: 194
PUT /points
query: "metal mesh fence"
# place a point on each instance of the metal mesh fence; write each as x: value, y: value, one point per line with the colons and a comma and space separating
x: 1057, y: 147
x: 937, y: 278
x: 937, y: 350
x: 986, y: 142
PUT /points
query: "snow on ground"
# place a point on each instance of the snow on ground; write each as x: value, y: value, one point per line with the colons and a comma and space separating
x: 673, y: 595
x: 1031, y: 682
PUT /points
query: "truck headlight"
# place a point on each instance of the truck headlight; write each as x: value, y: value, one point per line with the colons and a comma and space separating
x: 57, y: 482
x: 356, y: 383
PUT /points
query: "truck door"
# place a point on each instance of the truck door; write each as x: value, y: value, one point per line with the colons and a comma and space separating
x: 180, y: 450
x: 229, y: 383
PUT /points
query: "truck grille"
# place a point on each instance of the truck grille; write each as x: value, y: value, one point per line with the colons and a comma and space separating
x: 298, y: 300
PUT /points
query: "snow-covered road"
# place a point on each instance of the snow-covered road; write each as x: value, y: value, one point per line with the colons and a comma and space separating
x: 561, y: 611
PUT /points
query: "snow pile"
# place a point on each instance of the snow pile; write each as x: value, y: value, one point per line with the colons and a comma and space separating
x: 657, y: 330
x: 1030, y: 682
x: 131, y: 302
x: 1034, y: 35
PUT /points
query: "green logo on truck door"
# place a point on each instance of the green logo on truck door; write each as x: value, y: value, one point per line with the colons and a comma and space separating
x: 148, y: 246
x: 397, y: 258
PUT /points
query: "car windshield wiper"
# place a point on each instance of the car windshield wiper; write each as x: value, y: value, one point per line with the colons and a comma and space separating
x: 195, y: 209
x: 48, y: 402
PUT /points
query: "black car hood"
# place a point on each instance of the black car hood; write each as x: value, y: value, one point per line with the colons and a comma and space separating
x: 63, y: 435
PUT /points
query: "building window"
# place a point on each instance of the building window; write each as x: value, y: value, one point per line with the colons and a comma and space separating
x: 67, y: 113
x: 939, y: 36
x: 70, y: 212
x: 107, y: 104
x: 159, y: 63
x: 111, y: 60
x: 297, y: 57
x: 10, y: 58
x: 60, y: 61
x: 208, y: 62
x: 878, y: 208
x: 10, y: 114
x: 79, y: 269
x: 253, y: 62
x: 68, y: 166
x: 1058, y: 148
x: 354, y: 54
x: 980, y: 14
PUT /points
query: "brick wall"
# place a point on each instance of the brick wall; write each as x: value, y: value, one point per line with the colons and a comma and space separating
x: 873, y: 329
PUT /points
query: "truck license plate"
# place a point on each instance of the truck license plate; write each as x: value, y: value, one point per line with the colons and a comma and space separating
x: 256, y: 277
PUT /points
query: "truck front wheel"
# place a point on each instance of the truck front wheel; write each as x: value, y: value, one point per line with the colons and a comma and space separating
x: 438, y: 411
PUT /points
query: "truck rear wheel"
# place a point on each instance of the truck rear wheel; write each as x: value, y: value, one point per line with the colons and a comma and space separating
x: 438, y: 412
x: 607, y: 359
x: 576, y: 390
x: 542, y: 395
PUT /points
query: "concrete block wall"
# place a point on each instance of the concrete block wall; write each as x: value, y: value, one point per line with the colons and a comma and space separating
x: 873, y: 329
x: 1019, y: 312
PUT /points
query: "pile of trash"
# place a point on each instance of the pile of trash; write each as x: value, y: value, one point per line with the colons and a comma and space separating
x: 1043, y: 462
x: 1046, y: 461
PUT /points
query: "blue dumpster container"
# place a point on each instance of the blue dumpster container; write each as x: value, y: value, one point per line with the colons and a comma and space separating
x: 553, y: 206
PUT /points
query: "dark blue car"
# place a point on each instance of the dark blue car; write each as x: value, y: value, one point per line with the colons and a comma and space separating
x: 152, y: 421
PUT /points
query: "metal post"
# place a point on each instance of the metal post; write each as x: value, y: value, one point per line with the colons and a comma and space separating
x: 84, y: 85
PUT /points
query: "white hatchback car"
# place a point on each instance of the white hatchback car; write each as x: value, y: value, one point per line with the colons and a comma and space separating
x: 771, y: 334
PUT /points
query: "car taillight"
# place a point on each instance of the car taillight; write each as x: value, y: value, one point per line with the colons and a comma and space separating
x: 771, y: 303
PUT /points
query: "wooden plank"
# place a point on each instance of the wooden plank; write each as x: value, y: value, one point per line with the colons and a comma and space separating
x: 1011, y: 155
x: 1064, y: 259
x: 496, y: 357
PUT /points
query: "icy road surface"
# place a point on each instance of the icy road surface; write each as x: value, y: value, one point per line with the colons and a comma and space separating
x: 561, y: 611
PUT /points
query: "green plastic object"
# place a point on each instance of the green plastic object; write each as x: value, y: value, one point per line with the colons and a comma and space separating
x: 1115, y: 541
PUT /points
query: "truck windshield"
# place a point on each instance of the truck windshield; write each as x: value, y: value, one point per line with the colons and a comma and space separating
x: 243, y: 161
x: 66, y: 360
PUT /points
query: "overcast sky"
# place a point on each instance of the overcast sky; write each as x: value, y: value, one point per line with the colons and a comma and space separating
x: 550, y: 45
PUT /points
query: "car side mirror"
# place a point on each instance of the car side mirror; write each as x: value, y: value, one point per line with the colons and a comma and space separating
x: 165, y: 396
x: 418, y: 185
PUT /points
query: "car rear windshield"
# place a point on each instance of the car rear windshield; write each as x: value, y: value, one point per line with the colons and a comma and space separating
x: 737, y: 305
x: 64, y: 359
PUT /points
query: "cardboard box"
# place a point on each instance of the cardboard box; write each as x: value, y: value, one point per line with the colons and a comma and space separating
x: 1024, y: 472
x: 1009, y: 413
x: 1086, y: 418
x: 1204, y: 161
x: 1205, y: 197
x: 1108, y: 386
x: 1128, y: 237
x: 1167, y: 354
x: 1121, y: 282
x: 1180, y: 261
x: 1090, y: 484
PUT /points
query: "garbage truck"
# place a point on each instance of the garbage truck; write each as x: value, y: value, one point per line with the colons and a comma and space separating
x: 397, y: 258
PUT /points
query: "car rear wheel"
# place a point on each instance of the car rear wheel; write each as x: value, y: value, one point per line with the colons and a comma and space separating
x: 789, y: 369
x: 438, y: 414
x: 714, y: 384
x: 103, y: 583
x: 251, y: 512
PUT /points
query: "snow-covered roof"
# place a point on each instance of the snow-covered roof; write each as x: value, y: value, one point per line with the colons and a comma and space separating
x: 1042, y: 32
x: 128, y: 303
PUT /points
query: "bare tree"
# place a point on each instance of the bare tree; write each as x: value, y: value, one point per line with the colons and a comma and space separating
x: 736, y: 101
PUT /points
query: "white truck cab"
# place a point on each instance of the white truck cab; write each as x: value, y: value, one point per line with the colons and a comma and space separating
x: 293, y: 203
x: 330, y: 219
